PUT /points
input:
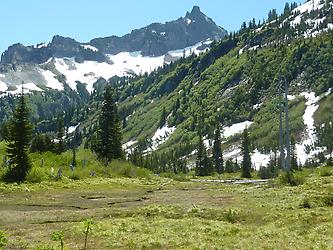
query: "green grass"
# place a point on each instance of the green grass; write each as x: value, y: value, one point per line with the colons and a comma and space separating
x: 325, y: 110
x: 160, y: 213
x: 47, y: 165
x: 265, y: 130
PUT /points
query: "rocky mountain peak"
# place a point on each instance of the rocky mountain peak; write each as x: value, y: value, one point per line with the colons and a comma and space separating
x: 154, y: 40
x: 195, y: 13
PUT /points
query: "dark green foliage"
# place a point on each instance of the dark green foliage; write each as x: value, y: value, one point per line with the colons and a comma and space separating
x: 60, y: 145
x: 108, y: 145
x: 231, y: 167
x: 325, y: 137
x: 328, y: 200
x: 246, y: 163
x: 171, y: 161
x: 3, y: 239
x: 217, y: 151
x: 4, y: 131
x: 42, y: 143
x: 74, y: 159
x: 203, y: 165
x: 19, y: 137
x: 305, y: 203
x: 58, y: 236
x: 291, y: 178
x: 272, y: 15
x: 163, y: 118
x: 269, y: 172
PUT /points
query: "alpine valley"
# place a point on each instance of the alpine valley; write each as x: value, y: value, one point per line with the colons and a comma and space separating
x: 182, y: 77
x: 178, y: 135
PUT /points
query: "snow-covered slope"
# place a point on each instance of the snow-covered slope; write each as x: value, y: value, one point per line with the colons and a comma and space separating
x: 88, y: 72
x: 161, y: 135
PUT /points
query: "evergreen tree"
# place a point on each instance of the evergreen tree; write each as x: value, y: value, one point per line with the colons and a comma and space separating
x: 19, y: 138
x: 203, y: 165
x: 4, y: 131
x: 41, y: 143
x: 246, y: 164
x: 217, y: 151
x: 229, y: 166
x: 60, y: 147
x: 163, y: 118
x: 109, y: 133
x: 272, y: 15
x: 287, y: 9
x: 74, y: 158
x: 325, y: 138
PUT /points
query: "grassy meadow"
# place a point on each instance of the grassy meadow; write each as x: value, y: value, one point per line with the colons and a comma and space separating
x: 133, y: 209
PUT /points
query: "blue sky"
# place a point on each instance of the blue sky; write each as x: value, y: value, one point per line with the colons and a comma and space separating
x: 34, y: 21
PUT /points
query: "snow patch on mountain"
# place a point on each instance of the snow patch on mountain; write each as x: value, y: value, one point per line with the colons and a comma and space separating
x: 134, y: 61
x: 72, y: 129
x: 236, y: 128
x: 161, y: 136
x: 51, y: 81
x: 88, y: 72
x: 188, y: 21
x: 128, y: 145
x: 309, y: 6
x: 42, y: 45
x: 87, y: 46
x: 27, y: 88
x: 3, y: 86
x: 259, y: 159
x: 195, y: 49
x: 311, y: 107
x: 30, y: 87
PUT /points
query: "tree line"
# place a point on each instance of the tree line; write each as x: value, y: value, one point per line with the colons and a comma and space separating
x: 20, y: 140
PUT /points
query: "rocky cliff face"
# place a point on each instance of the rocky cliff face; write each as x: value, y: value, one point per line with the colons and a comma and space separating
x: 157, y: 39
x: 154, y: 40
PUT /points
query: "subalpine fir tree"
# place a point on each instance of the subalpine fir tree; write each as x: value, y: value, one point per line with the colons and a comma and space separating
x: 203, y: 165
x: 109, y: 133
x: 217, y: 151
x: 60, y: 146
x: 163, y: 118
x: 20, y: 131
x: 246, y: 164
x: 74, y: 158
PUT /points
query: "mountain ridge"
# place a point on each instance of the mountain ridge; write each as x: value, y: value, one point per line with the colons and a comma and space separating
x: 153, y: 40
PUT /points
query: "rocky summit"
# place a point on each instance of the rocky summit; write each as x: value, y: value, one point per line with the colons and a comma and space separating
x: 154, y: 40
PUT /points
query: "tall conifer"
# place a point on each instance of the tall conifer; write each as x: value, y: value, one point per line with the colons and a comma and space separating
x: 217, y: 151
x: 20, y: 131
x: 246, y: 164
x: 109, y: 132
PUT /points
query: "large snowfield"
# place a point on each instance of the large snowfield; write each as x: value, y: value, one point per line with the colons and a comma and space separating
x: 88, y: 72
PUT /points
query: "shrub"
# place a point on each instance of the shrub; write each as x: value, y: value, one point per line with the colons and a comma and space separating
x: 127, y: 169
x: 326, y: 171
x: 3, y: 239
x: 231, y: 215
x: 291, y: 179
x: 328, y: 200
x: 36, y: 175
x: 305, y: 203
x: 58, y: 236
x: 267, y: 173
x: 88, y: 223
